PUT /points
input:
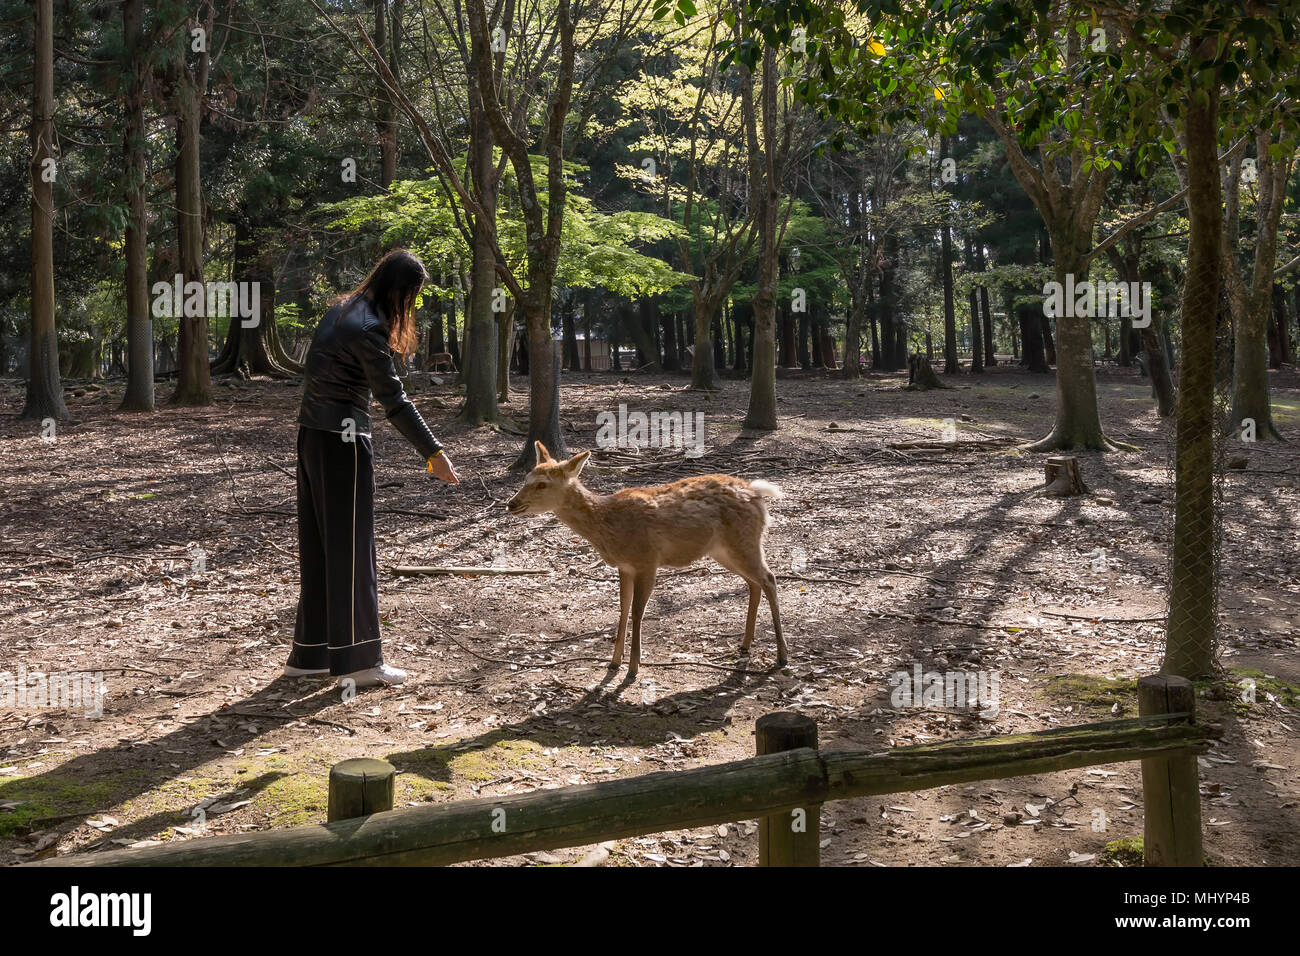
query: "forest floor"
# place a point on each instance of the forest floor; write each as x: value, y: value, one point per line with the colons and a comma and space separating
x: 949, y: 559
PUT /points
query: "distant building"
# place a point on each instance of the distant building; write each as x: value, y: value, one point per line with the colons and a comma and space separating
x: 601, y: 359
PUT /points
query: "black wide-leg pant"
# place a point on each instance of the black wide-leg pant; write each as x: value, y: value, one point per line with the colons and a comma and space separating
x: 338, y: 603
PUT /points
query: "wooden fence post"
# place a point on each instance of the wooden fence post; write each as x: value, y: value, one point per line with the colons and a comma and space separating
x: 792, y: 838
x: 360, y: 787
x: 1171, y: 792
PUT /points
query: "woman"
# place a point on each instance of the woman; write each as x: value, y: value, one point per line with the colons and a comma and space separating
x: 351, y: 358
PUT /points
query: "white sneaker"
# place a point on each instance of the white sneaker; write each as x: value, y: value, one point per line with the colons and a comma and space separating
x: 305, y: 672
x: 374, y: 677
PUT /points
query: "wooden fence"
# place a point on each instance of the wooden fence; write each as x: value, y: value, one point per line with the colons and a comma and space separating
x: 784, y: 786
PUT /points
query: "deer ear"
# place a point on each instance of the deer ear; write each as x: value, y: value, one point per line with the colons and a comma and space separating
x: 542, y: 453
x: 574, y: 465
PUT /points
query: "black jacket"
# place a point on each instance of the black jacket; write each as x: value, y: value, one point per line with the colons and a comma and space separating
x: 349, y: 359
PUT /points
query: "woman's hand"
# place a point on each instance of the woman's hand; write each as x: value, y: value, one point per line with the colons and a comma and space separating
x: 440, y: 466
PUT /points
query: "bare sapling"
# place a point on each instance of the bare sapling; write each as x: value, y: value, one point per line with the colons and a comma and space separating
x: 640, y: 530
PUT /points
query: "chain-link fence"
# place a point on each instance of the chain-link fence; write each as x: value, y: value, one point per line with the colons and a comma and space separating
x: 1199, y: 453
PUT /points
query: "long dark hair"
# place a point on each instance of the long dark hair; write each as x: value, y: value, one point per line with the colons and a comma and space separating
x: 392, y: 286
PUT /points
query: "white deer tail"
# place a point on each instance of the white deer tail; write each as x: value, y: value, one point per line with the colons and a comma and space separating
x: 766, y: 489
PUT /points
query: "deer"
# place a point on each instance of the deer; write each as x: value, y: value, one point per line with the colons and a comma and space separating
x: 640, y: 530
x: 438, y: 359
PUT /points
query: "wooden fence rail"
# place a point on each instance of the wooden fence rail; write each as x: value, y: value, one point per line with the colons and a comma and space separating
x: 789, y: 785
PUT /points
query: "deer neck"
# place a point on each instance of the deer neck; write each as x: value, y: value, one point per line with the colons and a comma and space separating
x: 580, y: 511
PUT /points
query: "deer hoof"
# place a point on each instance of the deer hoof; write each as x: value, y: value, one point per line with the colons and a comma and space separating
x: 780, y: 662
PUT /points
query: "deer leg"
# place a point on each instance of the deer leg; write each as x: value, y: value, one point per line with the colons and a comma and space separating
x: 642, y: 586
x: 624, y: 605
x: 755, y: 594
x: 769, y: 588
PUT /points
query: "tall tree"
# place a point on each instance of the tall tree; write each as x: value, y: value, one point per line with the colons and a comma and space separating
x: 139, y: 395
x: 1250, y: 297
x: 387, y: 39
x: 951, y: 365
x: 187, y: 85
x: 768, y: 141
x: 44, y: 388
x: 1190, y: 648
x: 544, y: 220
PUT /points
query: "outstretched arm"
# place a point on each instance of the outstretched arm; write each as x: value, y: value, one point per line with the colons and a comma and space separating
x: 377, y: 361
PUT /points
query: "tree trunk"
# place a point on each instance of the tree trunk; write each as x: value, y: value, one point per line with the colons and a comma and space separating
x: 569, y: 333
x: 193, y: 381
x: 543, y: 386
x: 254, y: 349
x: 458, y: 303
x: 893, y: 343
x: 505, y: 338
x: 139, y: 395
x: 873, y: 321
x: 763, y: 186
x: 1277, y: 327
x: 1252, y: 303
x: 1031, y: 335
x: 990, y: 357
x: 669, y: 322
x: 1013, y: 324
x: 386, y: 42
x: 645, y: 322
x: 1162, y: 384
x: 790, y: 333
x: 886, y: 320
x: 730, y: 322
x: 1250, y: 392
x: 44, y: 387
x: 828, y: 347
x: 521, y: 353
x: 706, y: 307
x: 588, y: 307
x: 951, y: 364
x: 1192, y: 593
x: 976, y: 338
x: 853, y: 325
x: 482, y: 315
x: 1078, y: 421
x: 742, y: 317
x: 804, y: 332
x: 437, y: 342
x: 1049, y: 343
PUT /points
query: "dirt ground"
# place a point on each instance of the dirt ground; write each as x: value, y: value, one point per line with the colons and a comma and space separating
x: 886, y: 558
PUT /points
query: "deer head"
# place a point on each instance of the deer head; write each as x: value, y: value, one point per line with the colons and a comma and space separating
x: 548, y: 484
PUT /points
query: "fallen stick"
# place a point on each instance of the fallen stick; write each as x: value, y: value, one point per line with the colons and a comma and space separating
x: 435, y: 515
x: 1108, y: 620
x: 418, y: 569
x: 285, y: 716
x: 947, y: 445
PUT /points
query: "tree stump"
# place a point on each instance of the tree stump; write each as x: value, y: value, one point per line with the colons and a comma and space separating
x: 360, y: 787
x: 1063, y: 478
x: 920, y: 375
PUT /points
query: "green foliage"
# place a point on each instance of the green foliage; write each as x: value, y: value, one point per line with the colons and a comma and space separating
x: 597, y: 249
